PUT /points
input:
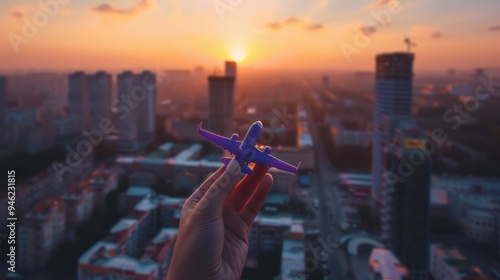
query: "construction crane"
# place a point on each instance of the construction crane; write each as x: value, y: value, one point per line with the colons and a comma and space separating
x: 409, y: 43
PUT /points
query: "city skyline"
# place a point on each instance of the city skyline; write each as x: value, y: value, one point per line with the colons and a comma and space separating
x: 315, y: 35
x: 376, y: 122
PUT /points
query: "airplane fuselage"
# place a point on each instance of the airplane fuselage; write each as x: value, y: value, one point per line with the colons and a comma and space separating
x: 246, y: 148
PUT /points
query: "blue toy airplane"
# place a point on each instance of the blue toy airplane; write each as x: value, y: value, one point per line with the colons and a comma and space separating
x: 245, y: 151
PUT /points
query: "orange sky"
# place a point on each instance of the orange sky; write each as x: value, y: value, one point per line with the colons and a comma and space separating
x: 281, y: 33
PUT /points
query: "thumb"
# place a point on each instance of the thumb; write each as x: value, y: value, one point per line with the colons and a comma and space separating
x: 217, y: 193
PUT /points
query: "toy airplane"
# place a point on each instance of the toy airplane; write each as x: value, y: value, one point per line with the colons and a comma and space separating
x: 245, y: 151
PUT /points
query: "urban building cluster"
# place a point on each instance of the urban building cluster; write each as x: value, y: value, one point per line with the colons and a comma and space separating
x: 52, y: 218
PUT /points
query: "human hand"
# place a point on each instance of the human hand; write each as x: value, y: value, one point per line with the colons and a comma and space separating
x: 216, y: 220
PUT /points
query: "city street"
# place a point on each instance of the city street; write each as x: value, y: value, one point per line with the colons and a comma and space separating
x: 329, y: 216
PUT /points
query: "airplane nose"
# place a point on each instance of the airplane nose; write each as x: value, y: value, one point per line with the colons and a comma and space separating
x: 259, y: 123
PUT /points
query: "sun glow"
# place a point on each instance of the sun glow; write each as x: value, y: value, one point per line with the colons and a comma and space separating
x: 238, y: 55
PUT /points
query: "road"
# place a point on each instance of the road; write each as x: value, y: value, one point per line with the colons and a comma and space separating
x: 323, y: 184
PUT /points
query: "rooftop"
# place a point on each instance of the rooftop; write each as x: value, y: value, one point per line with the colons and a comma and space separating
x: 384, y: 262
x: 460, y: 264
x: 138, y: 191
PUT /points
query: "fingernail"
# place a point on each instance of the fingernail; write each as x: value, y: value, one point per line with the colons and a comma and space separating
x: 233, y: 168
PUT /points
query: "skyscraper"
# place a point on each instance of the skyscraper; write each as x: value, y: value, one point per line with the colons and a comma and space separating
x: 136, y: 110
x: 230, y: 69
x: 127, y: 112
x: 78, y: 97
x: 221, y: 105
x: 3, y: 99
x: 147, y: 108
x: 393, y: 97
x: 405, y: 207
x: 100, y: 95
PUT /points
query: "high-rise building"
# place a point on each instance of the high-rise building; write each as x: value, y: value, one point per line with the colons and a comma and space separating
x: 231, y: 69
x: 136, y: 110
x: 127, y: 113
x: 78, y: 97
x: 100, y: 95
x: 326, y: 82
x: 146, y: 108
x: 3, y: 99
x: 393, y: 97
x: 221, y: 105
x: 406, y: 206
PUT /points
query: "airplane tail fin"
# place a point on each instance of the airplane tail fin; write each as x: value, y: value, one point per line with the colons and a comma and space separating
x: 298, y: 166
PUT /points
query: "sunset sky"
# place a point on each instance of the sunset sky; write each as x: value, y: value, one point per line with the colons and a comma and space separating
x: 111, y: 34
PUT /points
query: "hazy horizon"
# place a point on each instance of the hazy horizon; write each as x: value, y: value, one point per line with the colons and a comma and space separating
x: 280, y: 34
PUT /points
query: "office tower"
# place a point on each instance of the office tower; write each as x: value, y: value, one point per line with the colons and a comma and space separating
x: 221, y: 105
x: 127, y: 112
x: 405, y: 209
x: 146, y: 108
x: 326, y: 82
x: 231, y: 69
x: 100, y: 95
x: 393, y: 97
x: 78, y: 98
x: 3, y: 99
x: 240, y: 98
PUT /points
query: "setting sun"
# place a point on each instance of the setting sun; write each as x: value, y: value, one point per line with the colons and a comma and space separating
x: 238, y: 55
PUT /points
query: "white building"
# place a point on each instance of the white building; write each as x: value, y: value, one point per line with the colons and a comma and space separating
x: 385, y: 266
x: 137, y: 247
x: 450, y: 264
x: 293, y: 254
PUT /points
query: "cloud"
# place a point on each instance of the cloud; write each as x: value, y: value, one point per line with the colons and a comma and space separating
x: 425, y: 32
x: 274, y: 25
x: 436, y: 35
x: 380, y: 4
x: 368, y: 30
x: 17, y: 14
x: 110, y: 9
x: 291, y: 20
x: 315, y: 26
x: 494, y: 28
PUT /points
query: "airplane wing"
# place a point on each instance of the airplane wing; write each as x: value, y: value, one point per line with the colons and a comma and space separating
x: 230, y: 145
x: 266, y: 159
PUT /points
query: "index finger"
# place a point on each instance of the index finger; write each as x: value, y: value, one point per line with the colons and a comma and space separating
x: 246, y: 187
